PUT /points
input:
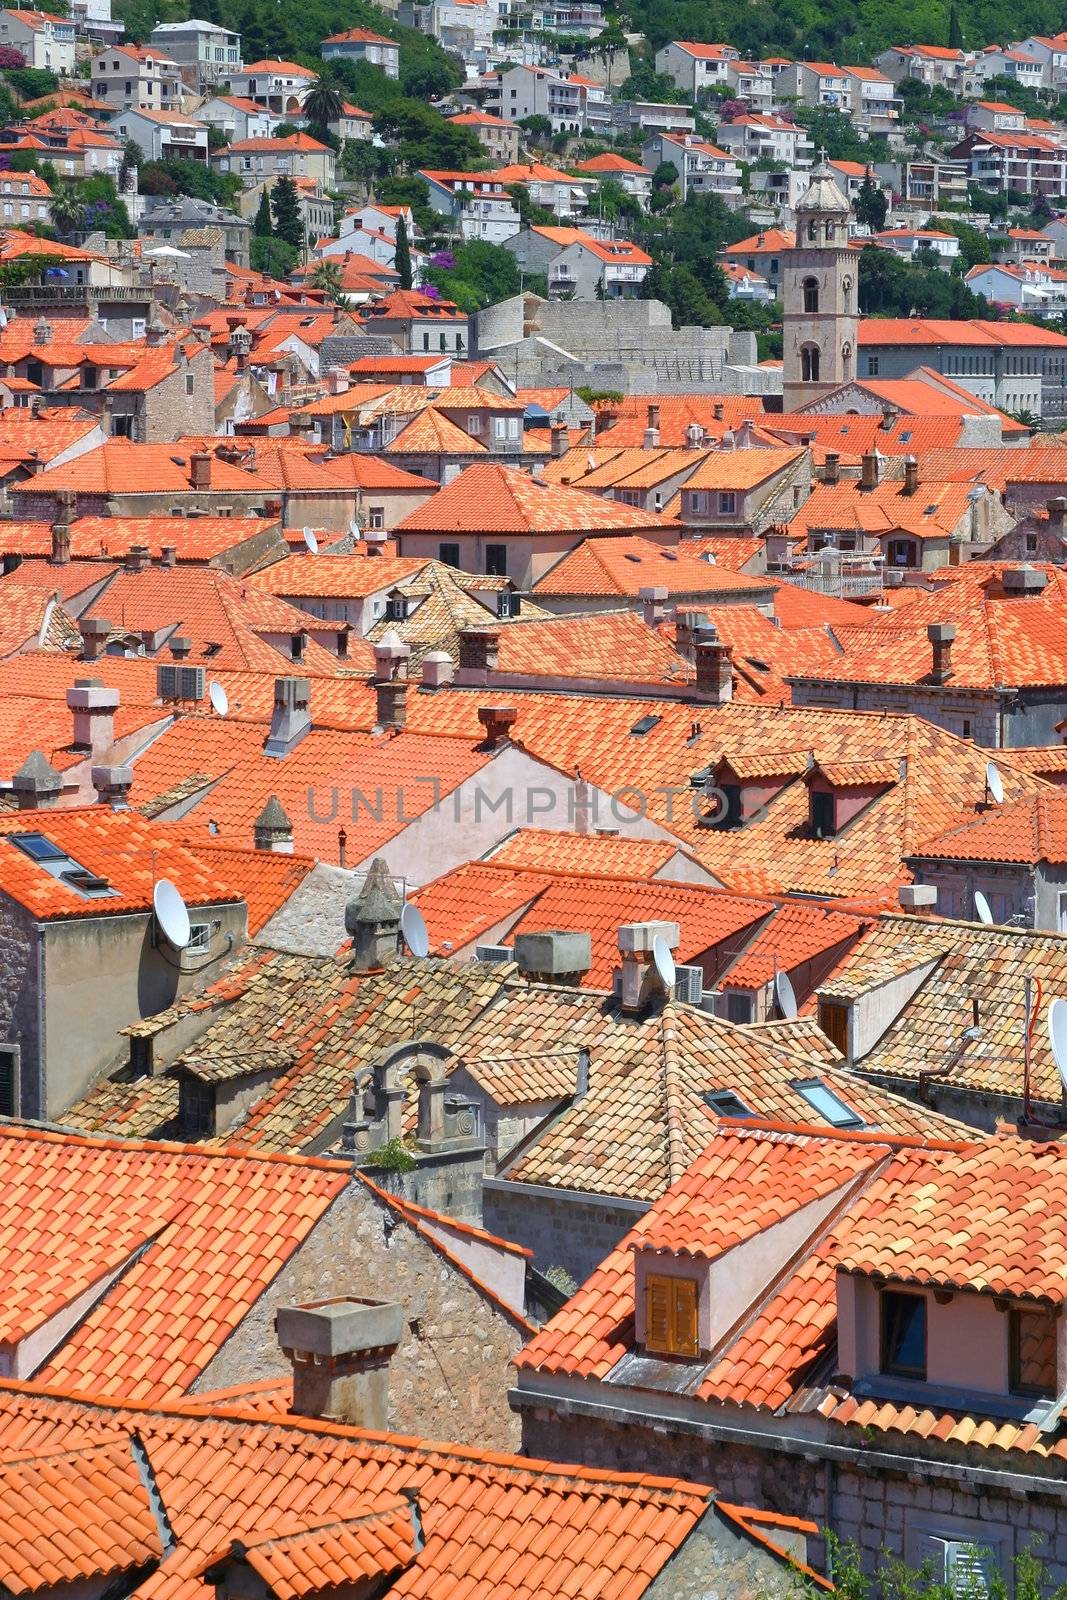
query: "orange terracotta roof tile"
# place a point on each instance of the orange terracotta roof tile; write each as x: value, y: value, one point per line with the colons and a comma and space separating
x: 626, y: 565
x: 500, y: 499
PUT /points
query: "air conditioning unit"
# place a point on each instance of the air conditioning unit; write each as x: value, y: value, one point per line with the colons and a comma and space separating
x: 493, y: 952
x: 180, y: 683
x: 689, y: 985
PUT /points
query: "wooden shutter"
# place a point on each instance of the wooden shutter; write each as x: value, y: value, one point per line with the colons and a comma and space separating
x: 684, y: 1341
x: 8, y: 1058
x: 658, y: 1314
x: 833, y: 1020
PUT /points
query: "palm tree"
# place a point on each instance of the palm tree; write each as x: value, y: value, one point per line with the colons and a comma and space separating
x: 323, y: 104
x: 67, y: 210
x: 327, y: 277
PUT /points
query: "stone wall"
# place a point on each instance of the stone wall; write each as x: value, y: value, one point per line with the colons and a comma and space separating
x: 562, y: 1230
x: 449, y: 1376
x: 19, y: 1020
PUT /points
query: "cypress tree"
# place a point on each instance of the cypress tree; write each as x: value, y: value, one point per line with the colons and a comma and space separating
x: 402, y: 259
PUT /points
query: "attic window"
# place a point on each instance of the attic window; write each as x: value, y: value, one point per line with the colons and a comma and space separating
x: 671, y: 1316
x: 59, y: 865
x: 827, y: 1104
x: 1033, y: 1351
x: 726, y: 1104
x: 211, y: 648
x: 645, y: 725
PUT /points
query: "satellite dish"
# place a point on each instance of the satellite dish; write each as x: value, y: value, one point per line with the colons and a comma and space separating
x: 220, y: 700
x: 311, y: 542
x: 663, y: 961
x: 994, y: 783
x: 1057, y: 1035
x: 786, y: 998
x: 981, y: 906
x: 413, y: 927
x: 590, y: 461
x: 171, y: 913
x: 354, y: 529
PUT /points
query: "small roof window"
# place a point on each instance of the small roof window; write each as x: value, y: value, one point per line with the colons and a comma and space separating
x: 62, y: 867
x: 726, y: 1103
x: 828, y: 1105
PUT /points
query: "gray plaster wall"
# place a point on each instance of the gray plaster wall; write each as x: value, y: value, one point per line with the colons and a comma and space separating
x: 19, y: 1019
x: 563, y: 1230
x: 100, y: 974
x: 449, y: 1376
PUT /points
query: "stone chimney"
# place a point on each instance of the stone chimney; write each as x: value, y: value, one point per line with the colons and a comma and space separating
x: 832, y: 469
x: 869, y: 470
x: 340, y: 1351
x: 651, y: 436
x: 240, y: 343
x: 272, y: 829
x: 941, y: 635
x: 338, y: 380
x: 156, y: 334
x: 200, y: 469
x: 478, y: 651
x: 1057, y: 517
x: 686, y: 626
x: 718, y: 411
x: 917, y: 899
x: 291, y: 718
x: 373, y: 920
x: 715, y: 666
x: 113, y: 785
x: 911, y: 475
x: 640, y: 981
x: 94, y: 710
x: 559, y: 439
x: 497, y: 722
x: 42, y: 331
x: 1019, y: 582
x: 61, y: 543
x: 180, y: 646
x: 37, y: 785
x: 438, y: 670
x: 138, y: 558
x: 168, y: 555
x: 391, y: 657
x: 653, y: 604
x: 94, y: 632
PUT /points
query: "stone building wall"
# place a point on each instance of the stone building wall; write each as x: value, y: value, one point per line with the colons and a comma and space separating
x: 563, y: 1230
x: 19, y: 1020
x: 449, y: 1376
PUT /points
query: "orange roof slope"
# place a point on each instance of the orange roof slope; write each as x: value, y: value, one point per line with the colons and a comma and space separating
x: 81, y: 1515
x: 626, y: 565
x: 220, y: 1228
x: 1033, y: 830
x: 593, y: 855
x: 495, y: 499
x: 493, y: 1523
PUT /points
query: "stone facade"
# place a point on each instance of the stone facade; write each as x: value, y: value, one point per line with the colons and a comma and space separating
x: 573, y: 1231
x: 448, y: 1378
x: 995, y: 719
x: 20, y: 1019
x: 880, y: 1510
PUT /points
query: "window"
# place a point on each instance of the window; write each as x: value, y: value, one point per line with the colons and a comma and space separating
x: 190, y: 383
x: 296, y: 646
x: 964, y: 1566
x: 9, y: 1072
x: 1032, y: 1340
x: 810, y: 287
x: 196, y: 1107
x: 727, y: 503
x: 671, y: 1316
x: 833, y: 1020
x: 449, y: 554
x: 474, y: 423
x: 821, y: 813
x: 739, y: 1006
x: 199, y: 937
x: 496, y: 560
x: 903, y: 1334
x: 872, y: 366
x: 726, y: 1103
x: 377, y: 517
x: 827, y: 1104
x: 809, y: 364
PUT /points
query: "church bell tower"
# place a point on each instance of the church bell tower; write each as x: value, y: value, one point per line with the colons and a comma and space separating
x: 819, y: 292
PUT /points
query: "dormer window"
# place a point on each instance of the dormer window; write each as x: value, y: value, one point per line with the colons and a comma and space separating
x: 903, y: 1335
x: 1032, y: 1352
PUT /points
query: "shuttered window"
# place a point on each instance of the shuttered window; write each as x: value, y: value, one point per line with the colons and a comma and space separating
x: 9, y: 1056
x: 833, y: 1020
x: 671, y: 1316
x: 966, y: 1569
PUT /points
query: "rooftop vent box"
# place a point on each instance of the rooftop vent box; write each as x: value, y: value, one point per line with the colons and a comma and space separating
x: 689, y: 985
x: 180, y: 683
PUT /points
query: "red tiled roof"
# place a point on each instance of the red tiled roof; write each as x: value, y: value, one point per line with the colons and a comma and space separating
x: 496, y: 499
x: 626, y: 565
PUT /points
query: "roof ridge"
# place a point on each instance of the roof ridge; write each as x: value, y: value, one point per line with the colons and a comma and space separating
x: 233, y: 1152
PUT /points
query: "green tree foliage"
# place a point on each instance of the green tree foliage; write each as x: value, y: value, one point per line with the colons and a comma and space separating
x: 67, y: 209
x: 189, y: 177
x: 285, y: 204
x: 323, y: 103
x: 537, y: 127
x: 480, y: 275
x: 424, y: 138
x: 413, y: 192
x: 402, y: 259
x: 273, y: 256
x: 894, y: 1579
x: 31, y: 82
x: 327, y: 277
x: 975, y: 246
x: 871, y: 204
x: 263, y: 223
x: 890, y: 287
